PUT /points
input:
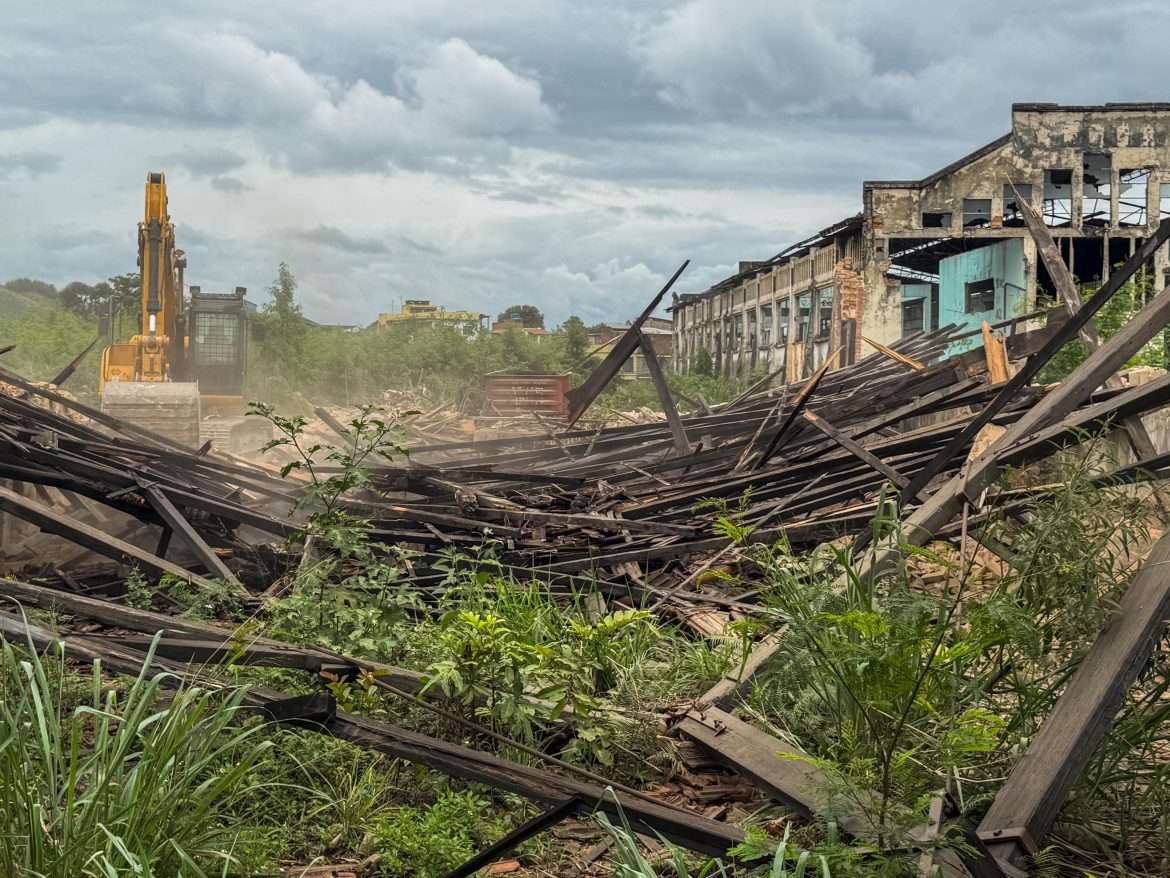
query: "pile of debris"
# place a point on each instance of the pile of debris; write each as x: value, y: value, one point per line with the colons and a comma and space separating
x: 616, y: 507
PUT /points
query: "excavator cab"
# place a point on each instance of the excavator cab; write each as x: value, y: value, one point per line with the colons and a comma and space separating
x: 217, y: 347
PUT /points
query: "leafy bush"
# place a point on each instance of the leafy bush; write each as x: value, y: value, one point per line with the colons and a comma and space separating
x: 417, y: 843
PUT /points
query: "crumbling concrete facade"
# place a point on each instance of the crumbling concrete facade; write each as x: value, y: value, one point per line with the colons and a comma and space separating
x: 949, y: 248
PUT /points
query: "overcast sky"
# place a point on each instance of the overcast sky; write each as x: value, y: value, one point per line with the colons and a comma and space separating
x: 565, y: 154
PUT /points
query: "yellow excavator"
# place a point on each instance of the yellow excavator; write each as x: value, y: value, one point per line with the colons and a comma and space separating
x: 182, y: 375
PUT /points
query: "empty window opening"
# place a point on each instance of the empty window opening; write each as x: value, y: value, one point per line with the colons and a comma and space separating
x: 1012, y: 216
x: 766, y: 325
x: 936, y: 219
x: 1058, y: 197
x: 804, y: 308
x: 785, y: 314
x: 1164, y: 201
x: 1131, y: 197
x: 976, y: 212
x: 1119, y: 251
x: 980, y: 296
x: 913, y: 316
x: 1088, y: 258
x: 825, y: 321
x: 1096, y: 209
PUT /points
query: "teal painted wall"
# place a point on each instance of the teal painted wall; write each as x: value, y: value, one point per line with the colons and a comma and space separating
x: 1004, y: 263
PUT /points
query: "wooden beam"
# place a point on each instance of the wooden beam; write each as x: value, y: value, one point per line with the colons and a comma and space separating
x: 178, y: 523
x: 782, y: 769
x: 893, y: 354
x: 90, y: 537
x: 1135, y: 431
x: 944, y: 505
x: 1035, y: 363
x: 579, y: 398
x: 683, y: 827
x: 517, y: 836
x: 1028, y: 803
x: 798, y: 404
x: 995, y: 353
x: 856, y: 450
x: 678, y: 433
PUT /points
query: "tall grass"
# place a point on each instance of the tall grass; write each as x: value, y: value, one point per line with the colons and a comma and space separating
x: 123, y: 783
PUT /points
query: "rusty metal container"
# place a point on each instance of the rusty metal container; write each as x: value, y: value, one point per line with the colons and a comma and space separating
x: 515, y: 394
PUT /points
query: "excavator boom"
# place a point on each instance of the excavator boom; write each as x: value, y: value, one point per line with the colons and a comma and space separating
x: 146, y: 380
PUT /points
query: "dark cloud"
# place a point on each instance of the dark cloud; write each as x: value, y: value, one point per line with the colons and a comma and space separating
x: 566, y: 154
x: 335, y: 239
x: 229, y: 185
x: 212, y: 162
x: 29, y: 164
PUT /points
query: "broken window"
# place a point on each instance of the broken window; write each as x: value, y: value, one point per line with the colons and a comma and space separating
x: 1058, y: 197
x: 980, y: 296
x: 1131, y: 197
x: 1096, y: 209
x: 803, y: 311
x: 785, y: 313
x: 1012, y: 216
x: 1164, y: 201
x: 936, y: 219
x: 766, y: 325
x: 913, y: 316
x: 976, y: 212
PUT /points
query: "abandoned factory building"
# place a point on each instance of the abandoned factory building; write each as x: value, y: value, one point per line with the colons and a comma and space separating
x: 950, y: 248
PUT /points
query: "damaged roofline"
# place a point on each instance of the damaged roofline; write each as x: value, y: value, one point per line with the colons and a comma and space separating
x: 942, y: 172
x: 792, y: 250
x: 1038, y: 107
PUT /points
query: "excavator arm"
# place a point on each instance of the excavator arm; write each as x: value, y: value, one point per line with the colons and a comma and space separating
x: 144, y: 380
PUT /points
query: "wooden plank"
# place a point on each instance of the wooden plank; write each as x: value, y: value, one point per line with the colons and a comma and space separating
x: 90, y: 537
x: 995, y: 353
x: 678, y: 432
x: 893, y: 354
x: 1028, y: 803
x: 579, y: 398
x: 856, y: 450
x: 178, y: 523
x: 784, y: 770
x: 183, y: 632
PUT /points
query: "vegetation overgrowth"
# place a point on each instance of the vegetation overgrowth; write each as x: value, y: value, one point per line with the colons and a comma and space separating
x: 295, y: 364
x: 933, y: 678
x: 927, y: 682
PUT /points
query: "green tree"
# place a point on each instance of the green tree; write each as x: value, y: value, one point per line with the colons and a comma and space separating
x: 529, y: 316
x: 576, y: 341
x: 283, y: 292
x: 127, y: 296
x: 76, y: 296
x: 704, y: 365
x: 284, y: 328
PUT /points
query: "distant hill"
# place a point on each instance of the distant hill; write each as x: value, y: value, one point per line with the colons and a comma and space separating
x: 12, y: 303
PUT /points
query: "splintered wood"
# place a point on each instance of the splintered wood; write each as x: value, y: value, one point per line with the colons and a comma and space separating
x: 635, y: 515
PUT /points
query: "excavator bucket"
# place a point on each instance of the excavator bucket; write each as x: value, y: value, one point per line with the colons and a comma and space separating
x: 171, y: 408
